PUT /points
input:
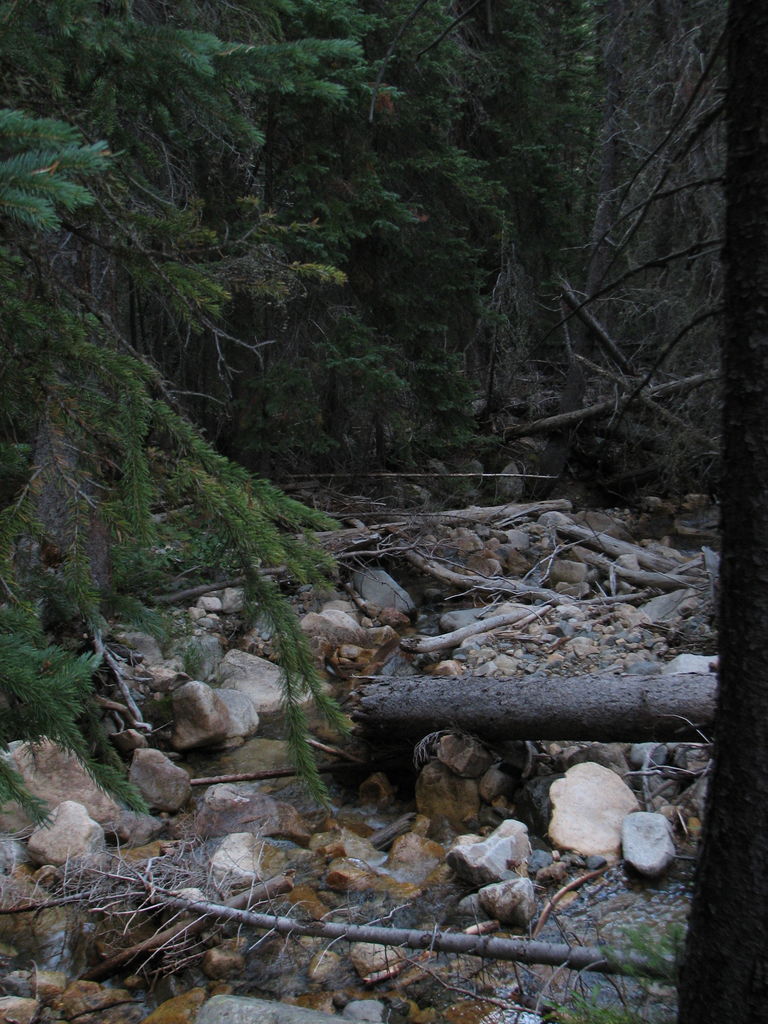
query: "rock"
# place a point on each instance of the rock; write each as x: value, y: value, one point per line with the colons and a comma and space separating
x: 533, y: 804
x: 343, y: 842
x: 129, y: 740
x: 241, y: 1010
x: 370, y: 957
x: 143, y: 644
x: 18, y: 1010
x: 232, y: 599
x: 458, y: 618
x: 609, y: 755
x: 552, y: 874
x: 49, y: 984
x: 243, y: 718
x: 512, y: 902
x: 240, y: 807
x: 670, y: 606
x: 222, y: 962
x: 260, y: 680
x: 209, y: 603
x: 589, y: 805
x: 690, y: 663
x: 502, y: 855
x: 413, y: 858
x: 563, y: 570
x: 135, y: 829
x: 539, y: 859
x: 376, y: 789
x: 164, y: 785
x: 90, y: 1003
x: 243, y: 858
x: 510, y: 484
x: 365, y: 1010
x: 182, y: 1009
x: 393, y: 618
x: 496, y: 783
x: 53, y: 775
x: 646, y: 843
x: 639, y: 752
x: 464, y: 755
x: 334, y: 628
x: 70, y: 833
x: 441, y: 794
x: 202, y: 656
x: 377, y: 587
x: 200, y: 717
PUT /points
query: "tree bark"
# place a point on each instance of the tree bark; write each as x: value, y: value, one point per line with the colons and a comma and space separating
x: 606, y: 706
x: 725, y: 973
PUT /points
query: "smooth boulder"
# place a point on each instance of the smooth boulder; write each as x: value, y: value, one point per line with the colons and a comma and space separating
x: 589, y: 805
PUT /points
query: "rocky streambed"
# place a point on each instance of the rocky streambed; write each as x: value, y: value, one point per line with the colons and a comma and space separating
x: 569, y: 842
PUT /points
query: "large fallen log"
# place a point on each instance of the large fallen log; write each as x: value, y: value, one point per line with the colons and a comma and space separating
x: 606, y: 706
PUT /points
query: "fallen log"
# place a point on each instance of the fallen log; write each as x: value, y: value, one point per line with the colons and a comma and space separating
x: 604, y: 706
x: 430, y: 644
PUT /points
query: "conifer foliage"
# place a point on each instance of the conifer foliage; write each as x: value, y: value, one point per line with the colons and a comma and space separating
x: 93, y: 440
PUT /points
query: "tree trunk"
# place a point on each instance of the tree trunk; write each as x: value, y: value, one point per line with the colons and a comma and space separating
x: 725, y: 973
x: 536, y: 707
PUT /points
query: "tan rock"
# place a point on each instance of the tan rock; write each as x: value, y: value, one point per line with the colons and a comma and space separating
x: 15, y: 1010
x: 442, y: 794
x: 222, y: 962
x: 70, y: 833
x: 589, y: 805
x: 370, y: 958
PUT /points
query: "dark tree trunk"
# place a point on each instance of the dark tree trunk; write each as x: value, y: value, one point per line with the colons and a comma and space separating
x: 540, y: 707
x: 725, y: 974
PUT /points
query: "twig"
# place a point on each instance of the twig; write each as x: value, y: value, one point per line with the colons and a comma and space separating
x: 100, y: 647
x: 575, y: 884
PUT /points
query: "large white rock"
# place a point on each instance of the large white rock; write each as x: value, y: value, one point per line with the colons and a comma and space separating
x: 243, y: 858
x: 646, y: 843
x: 502, y: 855
x: 334, y: 628
x: 589, y: 805
x: 257, y: 678
x: 70, y: 833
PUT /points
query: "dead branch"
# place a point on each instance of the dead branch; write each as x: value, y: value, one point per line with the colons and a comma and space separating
x: 269, y: 773
x: 576, y: 958
x: 135, y: 717
x: 267, y: 890
x: 550, y: 424
x: 576, y: 883
x: 490, y: 584
x: 597, y: 330
x: 430, y: 644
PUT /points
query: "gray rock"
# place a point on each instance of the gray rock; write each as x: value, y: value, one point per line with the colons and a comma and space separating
x: 243, y: 716
x: 494, y: 859
x: 257, y: 678
x: 203, y: 656
x: 69, y: 834
x: 495, y: 783
x: 533, y: 804
x: 209, y: 603
x: 510, y: 486
x: 646, y: 843
x: 241, y: 1010
x: 669, y: 606
x: 232, y: 600
x: 145, y: 644
x: 134, y: 829
x: 164, y: 785
x: 512, y: 902
x: 459, y: 618
x: 377, y: 587
x: 334, y: 628
x: 690, y: 663
x: 365, y: 1010
x: 200, y: 717
x: 539, y: 859
x: 640, y: 752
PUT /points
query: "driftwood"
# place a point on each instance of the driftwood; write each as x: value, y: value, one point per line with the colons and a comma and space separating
x: 606, y: 706
x: 487, y: 584
x: 641, y: 577
x: 430, y: 644
x: 615, y: 547
x: 577, y: 958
